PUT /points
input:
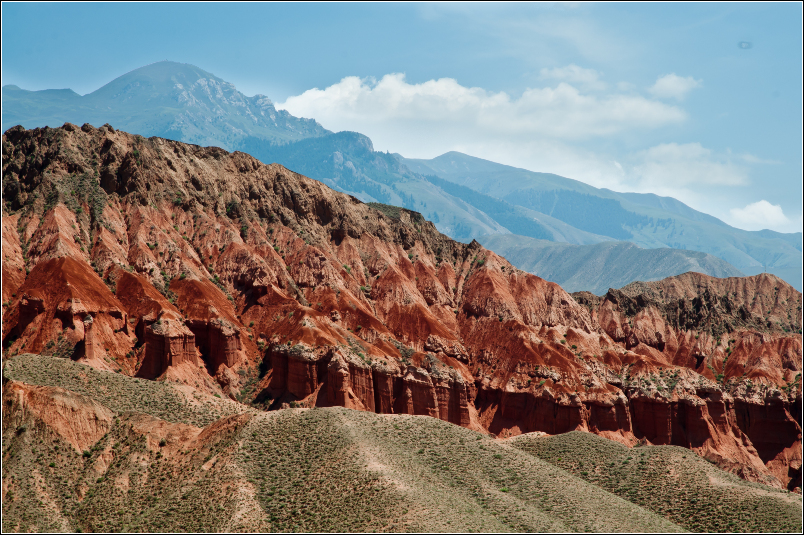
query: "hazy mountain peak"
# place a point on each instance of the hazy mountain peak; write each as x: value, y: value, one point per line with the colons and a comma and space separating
x: 166, y: 99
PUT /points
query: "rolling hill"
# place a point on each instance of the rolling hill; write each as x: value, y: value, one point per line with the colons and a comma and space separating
x: 669, y: 481
x: 122, y: 462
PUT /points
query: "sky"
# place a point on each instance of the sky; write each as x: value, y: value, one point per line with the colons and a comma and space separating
x: 698, y: 101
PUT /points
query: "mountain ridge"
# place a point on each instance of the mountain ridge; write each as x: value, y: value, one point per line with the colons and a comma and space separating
x: 166, y: 99
x: 578, y: 267
x: 647, y: 220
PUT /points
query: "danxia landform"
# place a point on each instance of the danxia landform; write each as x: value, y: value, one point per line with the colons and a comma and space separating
x: 181, y: 305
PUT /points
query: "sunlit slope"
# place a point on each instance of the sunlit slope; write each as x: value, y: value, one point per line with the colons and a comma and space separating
x: 671, y: 481
x: 328, y: 469
x: 166, y: 99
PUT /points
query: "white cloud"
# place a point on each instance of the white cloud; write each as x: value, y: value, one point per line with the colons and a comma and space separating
x: 750, y: 158
x: 589, y: 78
x: 763, y: 215
x: 673, y: 165
x: 672, y: 86
x: 398, y: 115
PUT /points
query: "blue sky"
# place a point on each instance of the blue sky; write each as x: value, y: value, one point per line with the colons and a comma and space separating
x: 647, y: 97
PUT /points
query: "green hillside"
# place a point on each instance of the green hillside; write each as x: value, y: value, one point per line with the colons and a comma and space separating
x: 290, y: 470
x: 671, y: 481
x: 598, y: 267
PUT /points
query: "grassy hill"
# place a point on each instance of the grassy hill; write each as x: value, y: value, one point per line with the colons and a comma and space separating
x: 336, y: 469
x: 290, y: 470
x: 671, y: 481
x: 598, y: 267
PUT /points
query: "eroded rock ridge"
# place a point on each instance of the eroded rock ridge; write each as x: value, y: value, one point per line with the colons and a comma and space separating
x: 169, y: 261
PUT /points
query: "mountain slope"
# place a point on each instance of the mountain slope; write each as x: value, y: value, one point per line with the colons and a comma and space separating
x: 328, y: 469
x: 667, y: 480
x: 347, y: 162
x: 166, y: 99
x: 644, y: 219
x: 183, y: 102
x: 517, y: 219
x: 596, y: 268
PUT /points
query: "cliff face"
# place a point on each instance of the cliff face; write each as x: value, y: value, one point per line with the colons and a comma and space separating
x: 194, y: 264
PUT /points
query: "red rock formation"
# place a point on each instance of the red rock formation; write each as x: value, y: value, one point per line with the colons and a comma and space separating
x: 212, y: 320
x: 168, y: 342
x: 80, y: 421
x: 13, y: 262
x: 377, y: 312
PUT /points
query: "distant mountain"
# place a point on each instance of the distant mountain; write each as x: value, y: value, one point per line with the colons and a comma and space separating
x: 647, y: 220
x: 596, y: 268
x: 465, y: 197
x: 165, y: 99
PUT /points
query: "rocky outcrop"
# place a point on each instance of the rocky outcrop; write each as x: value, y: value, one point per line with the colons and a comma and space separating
x: 78, y: 420
x: 198, y: 265
x: 343, y: 378
x: 212, y: 320
x: 168, y: 342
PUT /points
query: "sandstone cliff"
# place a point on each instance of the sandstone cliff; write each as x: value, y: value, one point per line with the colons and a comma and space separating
x: 162, y: 259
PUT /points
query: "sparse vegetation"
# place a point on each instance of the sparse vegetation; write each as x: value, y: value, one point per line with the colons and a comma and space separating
x: 671, y: 481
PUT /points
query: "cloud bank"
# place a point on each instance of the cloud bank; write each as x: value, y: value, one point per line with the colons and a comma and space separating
x: 547, y: 129
x: 561, y: 112
x: 763, y: 215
